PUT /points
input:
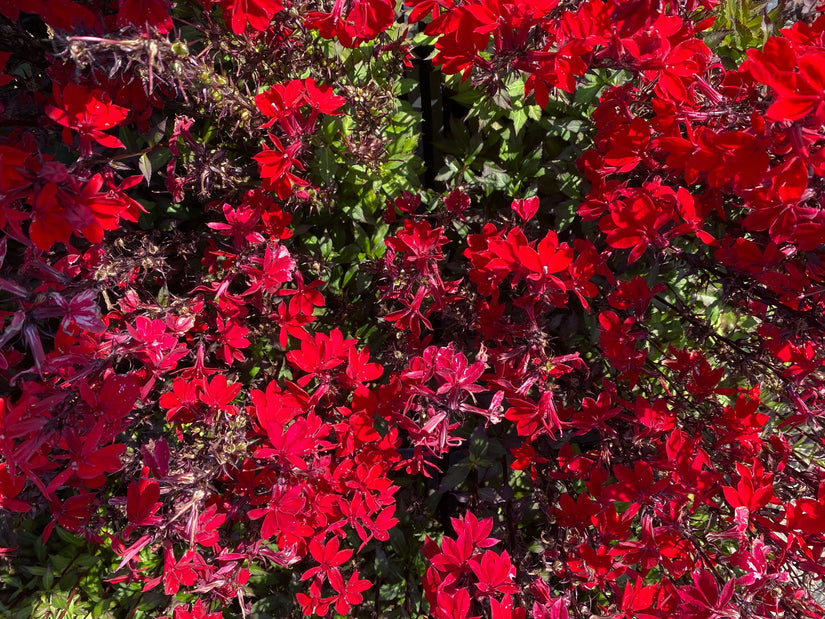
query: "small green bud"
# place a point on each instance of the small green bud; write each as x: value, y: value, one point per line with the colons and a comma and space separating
x: 179, y: 47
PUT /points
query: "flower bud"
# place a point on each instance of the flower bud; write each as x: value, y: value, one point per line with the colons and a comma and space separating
x: 180, y: 49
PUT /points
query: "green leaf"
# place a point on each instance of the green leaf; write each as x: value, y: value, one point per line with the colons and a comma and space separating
x: 398, y: 541
x: 459, y: 133
x: 157, y: 133
x: 48, y: 578
x: 356, y: 211
x: 145, y: 167
x: 39, y: 550
x: 69, y: 538
x: 519, y: 117
x: 454, y: 477
x: 58, y: 601
x: 405, y: 86
x: 35, y: 570
x: 502, y: 99
x: 327, y: 166
x: 384, y: 567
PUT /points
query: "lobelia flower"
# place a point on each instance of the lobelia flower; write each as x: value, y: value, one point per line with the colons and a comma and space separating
x: 89, y: 112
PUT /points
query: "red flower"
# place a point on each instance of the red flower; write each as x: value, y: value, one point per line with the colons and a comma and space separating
x: 291, y: 322
x: 82, y: 311
x: 634, y: 295
x: 90, y: 461
x: 412, y: 316
x: 526, y: 209
x: 505, y: 610
x: 320, y: 354
x: 142, y: 14
x: 634, y: 485
x: 495, y: 573
x: 534, y: 419
x: 95, y: 212
x: 704, y: 600
x: 452, y: 605
x: 73, y: 514
x: 314, y: 604
x: 241, y: 224
x: 637, y: 597
x: 232, y: 338
x: 798, y: 92
x: 219, y: 393
x: 349, y: 593
x: 182, y: 401
x: 754, y: 490
x: 275, y: 168
x: 290, y: 445
x: 359, y: 369
x: 177, y: 573
x: 198, y: 611
x: 205, y: 530
x: 283, y: 104
x: 89, y: 112
x: 549, y: 257
x: 48, y: 224
x: 636, y: 224
x: 142, y: 502
x: 353, y: 22
x: 281, y: 515
x: 11, y: 484
x: 278, y: 266
x: 328, y: 556
x: 258, y: 13
x: 594, y: 415
x: 474, y: 530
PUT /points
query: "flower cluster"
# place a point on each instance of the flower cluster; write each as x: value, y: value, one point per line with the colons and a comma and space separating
x: 248, y: 350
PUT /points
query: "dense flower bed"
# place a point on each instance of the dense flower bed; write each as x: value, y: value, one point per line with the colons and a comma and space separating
x: 256, y: 358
